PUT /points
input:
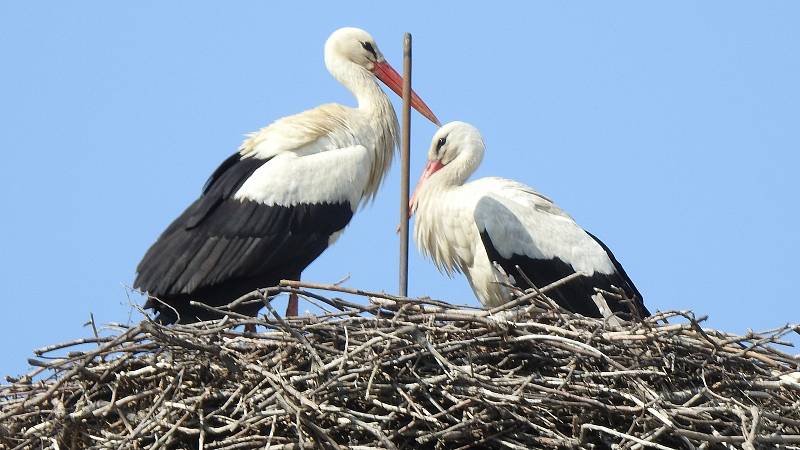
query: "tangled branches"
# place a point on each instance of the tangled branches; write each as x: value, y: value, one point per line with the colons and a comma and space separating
x: 410, y: 373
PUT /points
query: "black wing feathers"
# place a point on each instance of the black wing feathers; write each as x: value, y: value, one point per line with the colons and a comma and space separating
x: 220, y: 248
x: 625, y: 281
x: 221, y: 185
x: 575, y: 295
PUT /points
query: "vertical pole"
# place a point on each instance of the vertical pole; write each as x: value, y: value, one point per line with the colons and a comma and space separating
x: 405, y: 158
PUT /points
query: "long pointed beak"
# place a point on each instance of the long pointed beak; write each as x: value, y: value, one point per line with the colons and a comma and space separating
x: 386, y: 73
x: 430, y: 169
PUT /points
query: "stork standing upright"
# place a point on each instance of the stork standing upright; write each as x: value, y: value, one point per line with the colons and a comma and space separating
x: 274, y: 206
x: 491, y: 229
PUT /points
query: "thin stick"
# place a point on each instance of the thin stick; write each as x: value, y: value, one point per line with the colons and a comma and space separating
x: 403, y: 372
x: 405, y: 161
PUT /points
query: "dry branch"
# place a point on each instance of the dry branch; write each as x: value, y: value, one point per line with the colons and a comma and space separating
x: 410, y: 373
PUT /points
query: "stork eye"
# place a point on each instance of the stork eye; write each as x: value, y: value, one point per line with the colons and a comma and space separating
x: 440, y: 143
x: 368, y: 47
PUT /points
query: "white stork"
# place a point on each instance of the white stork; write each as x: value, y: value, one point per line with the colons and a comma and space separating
x: 274, y: 206
x: 492, y: 228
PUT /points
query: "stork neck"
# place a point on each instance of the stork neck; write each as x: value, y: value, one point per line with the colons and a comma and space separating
x: 371, y: 98
x: 374, y: 106
x: 361, y: 83
x: 459, y: 170
x: 437, y: 185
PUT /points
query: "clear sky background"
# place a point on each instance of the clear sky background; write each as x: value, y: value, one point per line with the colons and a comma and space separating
x: 669, y: 130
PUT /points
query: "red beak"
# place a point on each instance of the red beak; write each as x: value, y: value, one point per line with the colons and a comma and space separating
x: 430, y: 169
x: 394, y: 81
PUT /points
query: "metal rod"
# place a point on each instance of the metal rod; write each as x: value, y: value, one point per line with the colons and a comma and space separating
x: 405, y: 161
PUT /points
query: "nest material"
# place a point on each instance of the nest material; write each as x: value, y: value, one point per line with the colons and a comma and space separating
x: 410, y: 373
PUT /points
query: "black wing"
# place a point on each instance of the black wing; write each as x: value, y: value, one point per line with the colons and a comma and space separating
x: 221, y: 246
x: 625, y: 281
x: 575, y: 295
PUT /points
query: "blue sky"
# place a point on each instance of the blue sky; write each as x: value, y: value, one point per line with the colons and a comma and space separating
x: 669, y: 130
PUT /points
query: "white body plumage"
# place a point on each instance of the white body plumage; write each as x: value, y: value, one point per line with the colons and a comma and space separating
x: 449, y: 221
x: 488, y: 227
x: 275, y: 205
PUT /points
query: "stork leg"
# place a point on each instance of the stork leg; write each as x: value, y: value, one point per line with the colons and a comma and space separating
x: 291, y: 308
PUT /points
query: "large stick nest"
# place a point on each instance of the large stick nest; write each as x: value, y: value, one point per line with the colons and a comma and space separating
x: 410, y: 373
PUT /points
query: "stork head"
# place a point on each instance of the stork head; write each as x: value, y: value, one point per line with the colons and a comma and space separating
x: 456, y: 151
x: 453, y: 140
x: 357, y: 47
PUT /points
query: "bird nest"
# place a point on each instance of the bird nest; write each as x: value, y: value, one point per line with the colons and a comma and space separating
x: 409, y: 373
